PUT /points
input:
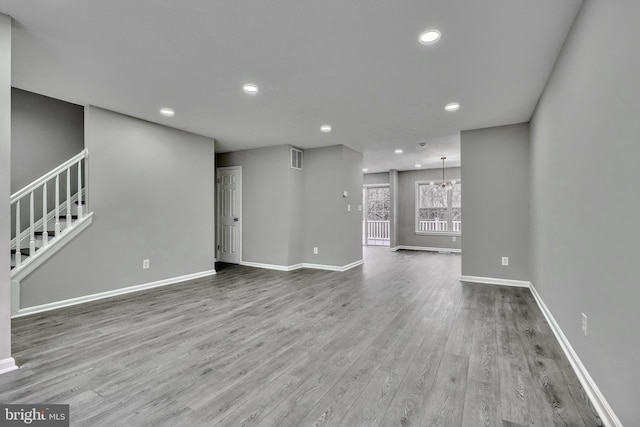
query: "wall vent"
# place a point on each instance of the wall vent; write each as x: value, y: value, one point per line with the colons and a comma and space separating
x: 296, y: 159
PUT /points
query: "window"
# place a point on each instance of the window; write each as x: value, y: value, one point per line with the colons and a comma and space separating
x: 377, y: 203
x: 296, y: 158
x: 438, y: 210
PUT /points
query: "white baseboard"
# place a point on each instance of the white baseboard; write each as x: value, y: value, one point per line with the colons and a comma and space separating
x: 93, y: 297
x: 7, y: 365
x: 271, y: 266
x: 302, y: 265
x: 426, y: 248
x: 594, y: 394
x: 334, y: 267
x: 495, y: 281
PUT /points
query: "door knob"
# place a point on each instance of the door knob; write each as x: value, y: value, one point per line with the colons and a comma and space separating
x: 235, y: 219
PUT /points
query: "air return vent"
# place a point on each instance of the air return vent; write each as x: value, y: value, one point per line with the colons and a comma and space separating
x: 296, y: 159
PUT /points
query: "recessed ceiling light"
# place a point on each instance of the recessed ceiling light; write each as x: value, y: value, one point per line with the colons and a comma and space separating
x: 167, y: 112
x: 365, y: 170
x: 418, y: 165
x: 429, y: 37
x: 452, y: 106
x: 398, y: 151
x: 325, y: 128
x: 250, y: 88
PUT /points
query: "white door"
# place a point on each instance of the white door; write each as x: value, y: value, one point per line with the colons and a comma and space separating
x: 230, y: 214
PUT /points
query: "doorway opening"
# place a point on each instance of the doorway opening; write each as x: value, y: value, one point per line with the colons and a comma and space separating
x: 376, y: 215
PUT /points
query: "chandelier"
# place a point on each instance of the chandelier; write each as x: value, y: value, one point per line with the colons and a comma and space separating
x: 444, y: 184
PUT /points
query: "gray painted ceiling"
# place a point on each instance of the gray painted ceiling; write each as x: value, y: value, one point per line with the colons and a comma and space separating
x: 356, y: 65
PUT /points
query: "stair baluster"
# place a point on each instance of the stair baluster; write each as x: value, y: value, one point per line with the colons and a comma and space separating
x: 45, y: 235
x: 32, y: 230
x: 68, y: 224
x: 18, y: 255
x: 29, y: 257
x: 56, y: 227
x: 80, y: 210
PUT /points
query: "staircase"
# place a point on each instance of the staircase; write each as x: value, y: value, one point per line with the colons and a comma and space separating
x: 39, y: 232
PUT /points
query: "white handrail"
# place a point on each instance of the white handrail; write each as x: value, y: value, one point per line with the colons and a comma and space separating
x: 46, y: 177
x: 35, y: 247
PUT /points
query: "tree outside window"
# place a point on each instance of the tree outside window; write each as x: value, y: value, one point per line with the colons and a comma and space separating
x: 438, y: 209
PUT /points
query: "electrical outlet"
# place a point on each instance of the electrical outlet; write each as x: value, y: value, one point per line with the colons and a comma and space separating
x: 315, y: 251
x: 584, y: 324
x: 145, y: 264
x: 348, y: 207
x: 505, y: 260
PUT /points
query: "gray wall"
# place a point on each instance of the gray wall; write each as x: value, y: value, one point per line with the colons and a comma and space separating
x: 265, y: 202
x: 152, y: 192
x: 45, y: 132
x: 5, y: 184
x: 495, y: 202
x: 336, y: 232
x: 393, y: 186
x: 352, y: 220
x: 286, y: 212
x: 375, y: 178
x: 585, y: 174
x: 406, y: 209
x: 296, y: 216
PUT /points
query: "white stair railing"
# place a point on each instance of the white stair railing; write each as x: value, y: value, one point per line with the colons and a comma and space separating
x: 41, y: 185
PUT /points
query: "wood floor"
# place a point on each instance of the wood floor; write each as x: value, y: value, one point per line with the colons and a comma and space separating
x: 398, y: 341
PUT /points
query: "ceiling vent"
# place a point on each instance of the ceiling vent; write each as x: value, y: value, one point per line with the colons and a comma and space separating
x: 296, y: 159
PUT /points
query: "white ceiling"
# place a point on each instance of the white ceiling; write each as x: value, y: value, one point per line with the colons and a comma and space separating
x: 355, y: 64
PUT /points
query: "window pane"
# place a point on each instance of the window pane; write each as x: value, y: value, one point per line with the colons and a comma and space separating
x: 434, y: 212
x: 378, y: 203
x: 432, y: 196
x: 456, y: 196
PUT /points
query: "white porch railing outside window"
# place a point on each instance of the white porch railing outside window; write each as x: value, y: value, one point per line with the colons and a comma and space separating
x: 378, y: 230
x: 439, y: 226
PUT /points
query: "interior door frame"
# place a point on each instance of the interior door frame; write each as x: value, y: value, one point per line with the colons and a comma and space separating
x: 218, y: 211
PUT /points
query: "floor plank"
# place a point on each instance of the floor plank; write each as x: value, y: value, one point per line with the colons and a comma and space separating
x: 398, y: 341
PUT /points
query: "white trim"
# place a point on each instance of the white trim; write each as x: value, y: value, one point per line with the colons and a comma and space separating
x: 303, y: 265
x: 417, y: 208
x: 439, y: 233
x: 113, y: 293
x: 58, y: 243
x: 271, y: 266
x: 334, y: 267
x: 49, y: 175
x: 376, y: 185
x: 8, y: 365
x: 593, y: 392
x: 496, y: 281
x: 426, y: 248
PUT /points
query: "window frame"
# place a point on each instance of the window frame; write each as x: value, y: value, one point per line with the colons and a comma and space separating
x: 449, y: 208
